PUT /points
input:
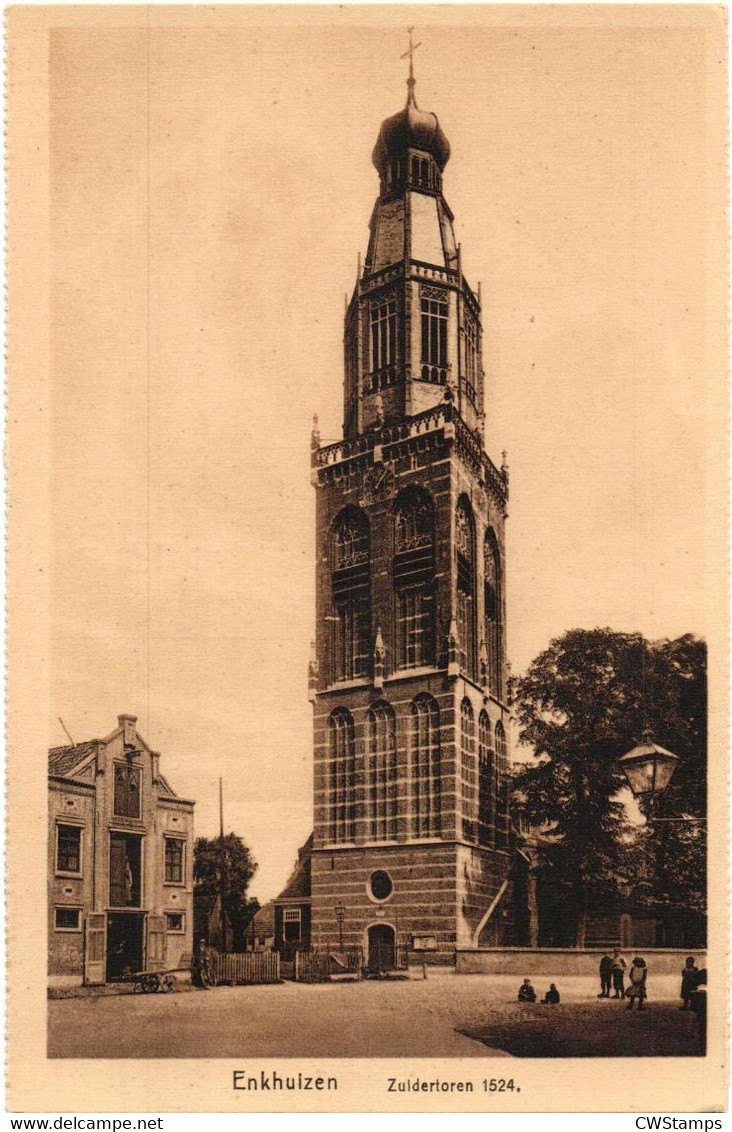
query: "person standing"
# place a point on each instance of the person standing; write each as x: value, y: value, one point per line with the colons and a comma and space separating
x: 618, y: 973
x: 699, y: 1006
x: 688, y: 982
x: 637, y: 988
x: 606, y: 974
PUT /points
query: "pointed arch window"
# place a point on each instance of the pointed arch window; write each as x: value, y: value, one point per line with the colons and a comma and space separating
x: 492, y: 608
x: 468, y: 770
x: 383, y: 322
x: 465, y: 553
x: 413, y: 573
x: 381, y: 772
x: 424, y: 765
x: 471, y: 375
x: 486, y: 782
x: 433, y: 326
x: 341, y: 776
x: 350, y: 558
x: 502, y: 788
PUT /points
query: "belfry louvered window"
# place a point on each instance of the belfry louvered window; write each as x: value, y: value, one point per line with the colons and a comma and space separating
x: 424, y: 769
x: 341, y: 776
x: 486, y: 782
x: 351, y: 622
x: 381, y: 772
x: 465, y: 584
x: 383, y: 317
x: 433, y: 309
x: 492, y: 607
x: 468, y: 771
x: 413, y: 574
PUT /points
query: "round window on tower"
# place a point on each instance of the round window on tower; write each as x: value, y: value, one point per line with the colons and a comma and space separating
x: 380, y: 885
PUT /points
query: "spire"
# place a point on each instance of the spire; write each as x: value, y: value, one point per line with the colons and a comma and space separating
x: 411, y: 81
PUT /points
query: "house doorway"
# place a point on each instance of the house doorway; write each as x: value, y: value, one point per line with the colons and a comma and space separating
x: 381, y: 947
x: 124, y: 944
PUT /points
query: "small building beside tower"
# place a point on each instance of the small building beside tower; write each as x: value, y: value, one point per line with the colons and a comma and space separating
x: 120, y: 861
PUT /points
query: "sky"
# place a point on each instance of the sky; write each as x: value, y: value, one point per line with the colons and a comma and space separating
x: 211, y: 186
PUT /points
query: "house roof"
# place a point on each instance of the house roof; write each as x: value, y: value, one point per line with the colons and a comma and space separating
x: 62, y: 760
x: 298, y: 885
x: 263, y: 923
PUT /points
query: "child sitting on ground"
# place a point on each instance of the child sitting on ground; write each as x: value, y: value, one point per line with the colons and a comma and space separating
x: 526, y: 992
x: 552, y: 995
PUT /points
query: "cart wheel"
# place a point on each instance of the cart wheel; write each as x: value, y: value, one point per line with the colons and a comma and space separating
x: 150, y: 984
x: 168, y: 983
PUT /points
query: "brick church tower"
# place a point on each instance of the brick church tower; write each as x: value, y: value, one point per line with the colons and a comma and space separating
x: 408, y: 679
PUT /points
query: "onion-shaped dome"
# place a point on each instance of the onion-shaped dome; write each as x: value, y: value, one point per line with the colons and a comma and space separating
x: 411, y: 128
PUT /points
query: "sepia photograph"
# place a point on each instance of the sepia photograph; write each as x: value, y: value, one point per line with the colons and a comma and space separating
x: 367, y: 447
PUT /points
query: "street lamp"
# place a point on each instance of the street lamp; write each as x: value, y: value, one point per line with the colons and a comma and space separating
x: 340, y: 914
x: 648, y: 767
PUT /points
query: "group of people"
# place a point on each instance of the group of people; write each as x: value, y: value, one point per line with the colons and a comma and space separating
x: 612, y: 978
x: 526, y: 993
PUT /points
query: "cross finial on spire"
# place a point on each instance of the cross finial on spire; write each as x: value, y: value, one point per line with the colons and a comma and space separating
x: 410, y: 52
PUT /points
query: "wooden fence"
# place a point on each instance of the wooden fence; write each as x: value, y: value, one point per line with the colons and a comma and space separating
x: 247, y: 967
x: 320, y: 966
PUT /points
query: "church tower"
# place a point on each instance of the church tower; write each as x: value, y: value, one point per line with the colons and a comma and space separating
x: 408, y: 678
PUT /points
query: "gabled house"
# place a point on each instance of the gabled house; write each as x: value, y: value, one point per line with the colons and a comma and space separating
x: 120, y: 861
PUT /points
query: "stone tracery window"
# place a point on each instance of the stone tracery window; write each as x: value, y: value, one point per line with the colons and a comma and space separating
x: 492, y: 609
x: 468, y: 772
x: 486, y: 782
x: 424, y: 754
x: 413, y: 573
x: 502, y: 788
x: 465, y: 597
x: 350, y: 557
x: 433, y: 326
x: 381, y: 772
x: 383, y: 323
x: 341, y: 776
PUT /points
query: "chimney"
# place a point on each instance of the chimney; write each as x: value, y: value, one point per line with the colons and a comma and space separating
x: 129, y: 731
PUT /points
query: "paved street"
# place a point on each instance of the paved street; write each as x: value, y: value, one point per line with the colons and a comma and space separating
x: 445, y: 1016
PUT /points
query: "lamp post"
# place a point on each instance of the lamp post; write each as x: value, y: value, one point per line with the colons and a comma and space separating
x: 648, y: 769
x: 340, y: 914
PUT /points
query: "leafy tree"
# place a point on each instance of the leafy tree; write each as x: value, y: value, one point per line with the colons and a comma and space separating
x: 226, y: 858
x: 586, y: 700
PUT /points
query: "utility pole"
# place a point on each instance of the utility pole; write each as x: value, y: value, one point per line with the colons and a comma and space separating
x: 222, y: 867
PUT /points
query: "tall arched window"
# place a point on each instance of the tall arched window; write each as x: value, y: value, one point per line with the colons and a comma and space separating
x: 413, y: 573
x: 350, y: 555
x: 341, y: 776
x: 381, y: 772
x: 424, y: 758
x: 468, y: 770
x: 486, y: 782
x: 493, y: 626
x: 502, y: 788
x: 465, y: 553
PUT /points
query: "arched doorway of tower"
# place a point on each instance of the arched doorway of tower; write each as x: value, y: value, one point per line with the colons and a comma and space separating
x: 381, y: 947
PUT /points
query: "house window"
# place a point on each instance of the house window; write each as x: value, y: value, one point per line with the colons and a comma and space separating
x: 67, y: 919
x: 341, y: 777
x: 174, y: 850
x: 383, y: 313
x: 382, y: 772
x: 126, y: 790
x: 68, y: 849
x: 292, y: 925
x: 174, y: 922
x: 433, y: 307
x: 424, y: 751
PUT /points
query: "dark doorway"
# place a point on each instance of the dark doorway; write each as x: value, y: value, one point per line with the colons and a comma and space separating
x: 124, y: 944
x: 125, y: 859
x: 381, y: 947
